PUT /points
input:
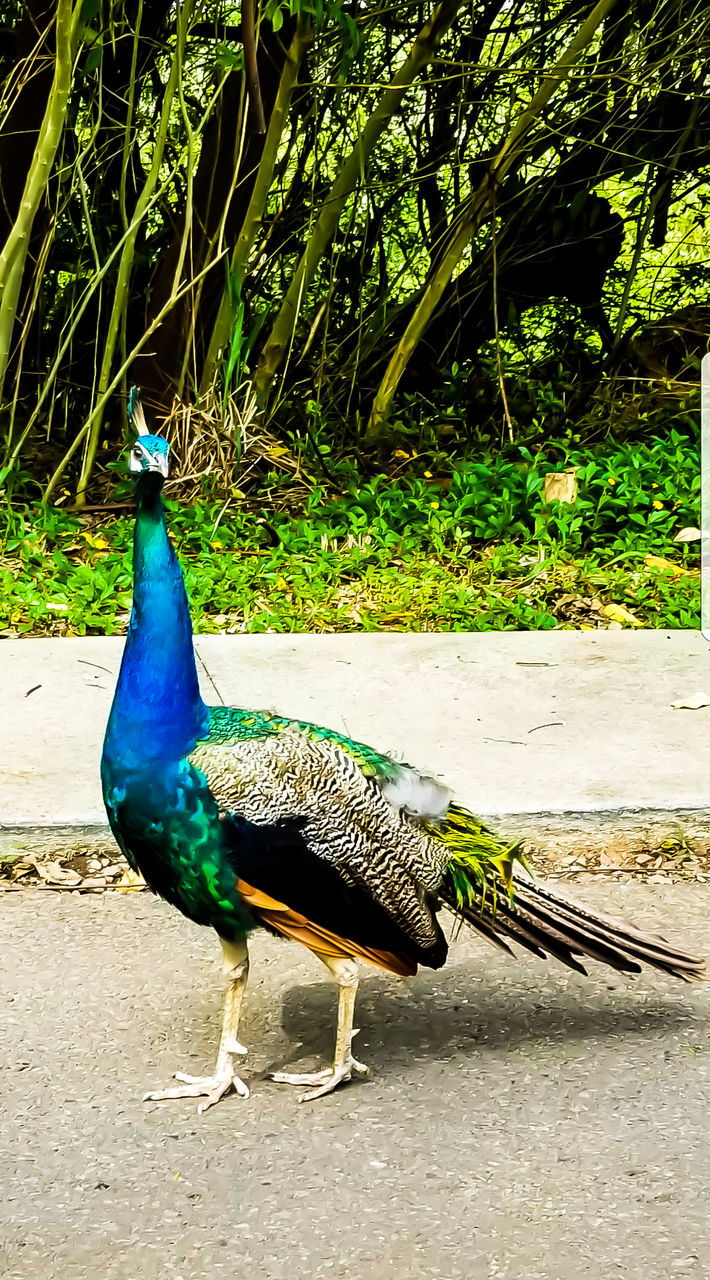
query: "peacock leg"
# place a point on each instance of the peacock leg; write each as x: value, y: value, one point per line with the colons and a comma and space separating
x: 344, y: 1064
x: 225, y: 1079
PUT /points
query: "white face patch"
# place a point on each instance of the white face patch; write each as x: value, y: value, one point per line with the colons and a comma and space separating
x: 141, y: 459
x: 135, y: 462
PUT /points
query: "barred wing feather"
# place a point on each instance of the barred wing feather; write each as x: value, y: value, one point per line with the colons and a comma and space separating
x: 345, y: 818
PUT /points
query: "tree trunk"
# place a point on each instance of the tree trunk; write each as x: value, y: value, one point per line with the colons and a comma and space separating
x: 260, y: 191
x: 34, y: 65
x: 15, y: 249
x: 217, y: 199
x: 125, y: 267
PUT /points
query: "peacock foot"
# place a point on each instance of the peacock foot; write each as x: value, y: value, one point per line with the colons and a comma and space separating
x: 326, y: 1081
x: 224, y: 1081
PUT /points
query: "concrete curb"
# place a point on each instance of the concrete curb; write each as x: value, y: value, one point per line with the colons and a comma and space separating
x: 560, y: 737
x: 611, y: 836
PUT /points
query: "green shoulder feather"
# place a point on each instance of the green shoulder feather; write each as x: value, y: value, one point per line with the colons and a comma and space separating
x: 231, y: 724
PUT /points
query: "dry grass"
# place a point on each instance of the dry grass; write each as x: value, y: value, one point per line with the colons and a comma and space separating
x: 225, y: 440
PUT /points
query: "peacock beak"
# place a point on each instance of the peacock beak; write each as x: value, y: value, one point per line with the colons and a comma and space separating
x: 159, y: 462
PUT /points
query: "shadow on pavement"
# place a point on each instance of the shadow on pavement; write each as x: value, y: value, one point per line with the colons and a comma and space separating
x: 468, y: 1009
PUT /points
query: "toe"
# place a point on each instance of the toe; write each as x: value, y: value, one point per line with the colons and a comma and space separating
x: 301, y: 1078
x: 212, y: 1088
x: 166, y: 1095
x: 211, y: 1099
x: 228, y: 1085
x: 328, y: 1087
x: 333, y: 1080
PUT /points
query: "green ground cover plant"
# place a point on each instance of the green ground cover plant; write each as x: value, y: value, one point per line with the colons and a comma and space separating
x: 429, y: 543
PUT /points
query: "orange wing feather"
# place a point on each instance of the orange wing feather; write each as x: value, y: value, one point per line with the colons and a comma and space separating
x: 319, y: 940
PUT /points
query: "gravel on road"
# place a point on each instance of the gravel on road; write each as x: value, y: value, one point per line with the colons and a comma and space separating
x: 519, y: 1122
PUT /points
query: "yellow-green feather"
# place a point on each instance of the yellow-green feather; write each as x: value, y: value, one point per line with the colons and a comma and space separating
x: 480, y: 864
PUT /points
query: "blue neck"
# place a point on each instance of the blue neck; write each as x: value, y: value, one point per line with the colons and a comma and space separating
x: 157, y: 713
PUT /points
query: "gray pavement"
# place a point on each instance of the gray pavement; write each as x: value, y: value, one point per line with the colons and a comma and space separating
x: 519, y: 723
x: 520, y: 1122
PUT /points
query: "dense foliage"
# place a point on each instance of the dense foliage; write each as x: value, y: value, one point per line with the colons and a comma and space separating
x: 465, y: 546
x: 346, y: 222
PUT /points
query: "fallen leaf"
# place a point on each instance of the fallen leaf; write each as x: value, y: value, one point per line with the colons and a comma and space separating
x: 21, y: 869
x: 688, y: 535
x: 561, y: 486
x: 618, y: 613
x: 657, y: 562
x: 131, y: 880
x: 693, y: 703
x: 52, y: 873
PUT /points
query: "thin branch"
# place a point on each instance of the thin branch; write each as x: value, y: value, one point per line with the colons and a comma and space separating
x: 100, y: 405
x: 479, y: 209
x: 351, y: 172
x: 499, y: 362
x: 250, y: 65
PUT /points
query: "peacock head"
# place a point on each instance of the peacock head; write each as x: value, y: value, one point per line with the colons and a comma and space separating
x: 150, y: 454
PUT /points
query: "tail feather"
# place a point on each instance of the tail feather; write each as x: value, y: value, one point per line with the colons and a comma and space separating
x: 487, y: 886
x: 542, y: 940
x: 587, y: 926
x: 548, y: 923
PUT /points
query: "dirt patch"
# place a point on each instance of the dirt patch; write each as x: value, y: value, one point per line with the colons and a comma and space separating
x: 562, y: 855
x: 670, y: 860
x: 85, y: 872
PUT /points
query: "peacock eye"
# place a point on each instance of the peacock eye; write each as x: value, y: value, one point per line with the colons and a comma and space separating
x: 137, y: 454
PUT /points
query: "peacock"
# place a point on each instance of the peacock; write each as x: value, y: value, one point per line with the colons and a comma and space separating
x: 245, y: 819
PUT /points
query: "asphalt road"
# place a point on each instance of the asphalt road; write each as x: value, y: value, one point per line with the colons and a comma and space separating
x: 519, y: 1123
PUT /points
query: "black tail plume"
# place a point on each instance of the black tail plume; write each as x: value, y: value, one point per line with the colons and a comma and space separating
x: 547, y: 923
